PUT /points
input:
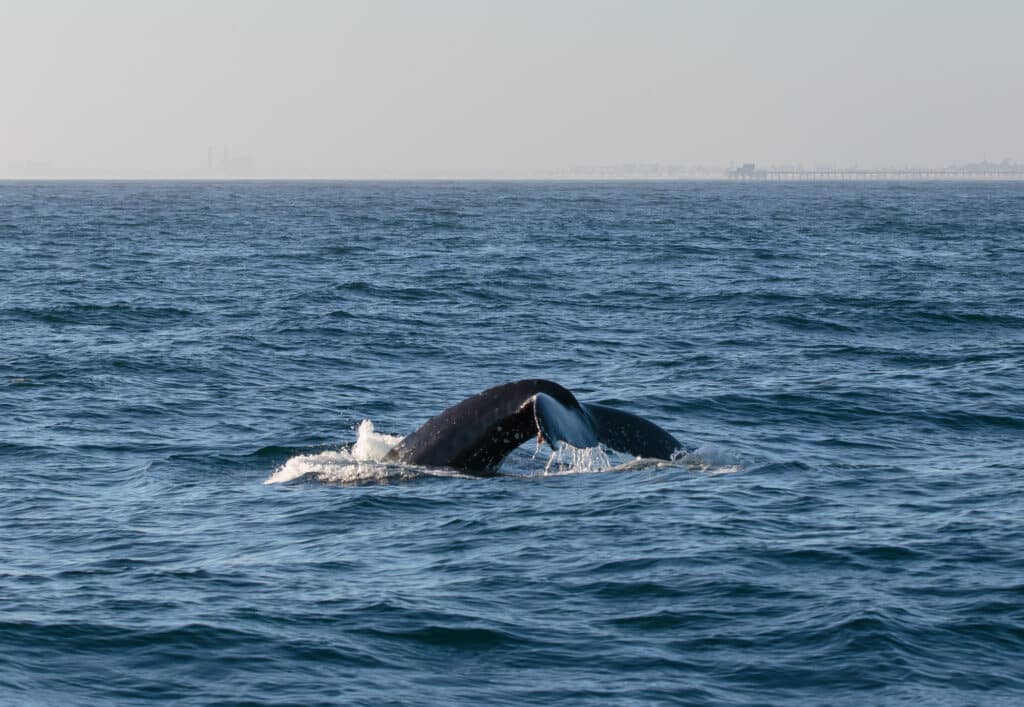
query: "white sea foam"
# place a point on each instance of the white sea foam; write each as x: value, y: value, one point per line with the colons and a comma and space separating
x: 361, y: 463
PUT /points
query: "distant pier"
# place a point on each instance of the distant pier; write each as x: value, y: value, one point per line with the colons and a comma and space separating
x: 750, y: 172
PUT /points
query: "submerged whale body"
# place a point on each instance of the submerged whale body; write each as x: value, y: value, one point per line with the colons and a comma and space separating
x: 477, y: 434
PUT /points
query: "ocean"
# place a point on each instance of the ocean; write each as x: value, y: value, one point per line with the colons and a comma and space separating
x: 198, y: 381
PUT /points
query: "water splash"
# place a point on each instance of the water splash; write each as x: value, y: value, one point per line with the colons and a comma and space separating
x: 360, y: 464
x: 371, y: 445
x: 708, y: 458
x: 568, y: 459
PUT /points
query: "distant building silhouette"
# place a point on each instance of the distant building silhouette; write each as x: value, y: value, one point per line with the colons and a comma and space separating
x: 747, y: 171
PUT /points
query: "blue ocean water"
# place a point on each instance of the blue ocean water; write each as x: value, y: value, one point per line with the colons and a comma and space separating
x: 843, y: 361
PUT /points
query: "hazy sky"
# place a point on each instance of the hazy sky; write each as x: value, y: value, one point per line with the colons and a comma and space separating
x: 441, y: 87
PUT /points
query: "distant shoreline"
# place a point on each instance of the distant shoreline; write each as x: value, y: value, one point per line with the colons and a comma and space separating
x: 1010, y: 177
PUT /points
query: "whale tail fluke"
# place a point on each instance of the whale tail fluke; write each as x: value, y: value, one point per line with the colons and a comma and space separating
x: 587, y: 424
x: 632, y: 434
x: 557, y: 423
x: 477, y: 434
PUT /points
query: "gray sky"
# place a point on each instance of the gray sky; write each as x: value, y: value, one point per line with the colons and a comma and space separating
x: 450, y: 87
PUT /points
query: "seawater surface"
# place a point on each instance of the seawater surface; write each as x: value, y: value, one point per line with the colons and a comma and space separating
x: 185, y: 369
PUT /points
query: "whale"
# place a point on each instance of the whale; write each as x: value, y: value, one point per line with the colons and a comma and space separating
x: 475, y: 435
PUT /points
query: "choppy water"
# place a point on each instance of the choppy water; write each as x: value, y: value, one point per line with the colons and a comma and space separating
x: 845, y: 360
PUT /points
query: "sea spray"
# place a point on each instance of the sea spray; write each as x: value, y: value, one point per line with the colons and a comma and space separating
x: 359, y: 464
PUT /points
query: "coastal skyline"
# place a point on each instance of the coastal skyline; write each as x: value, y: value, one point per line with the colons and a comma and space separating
x: 229, y: 166
x: 457, y: 89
